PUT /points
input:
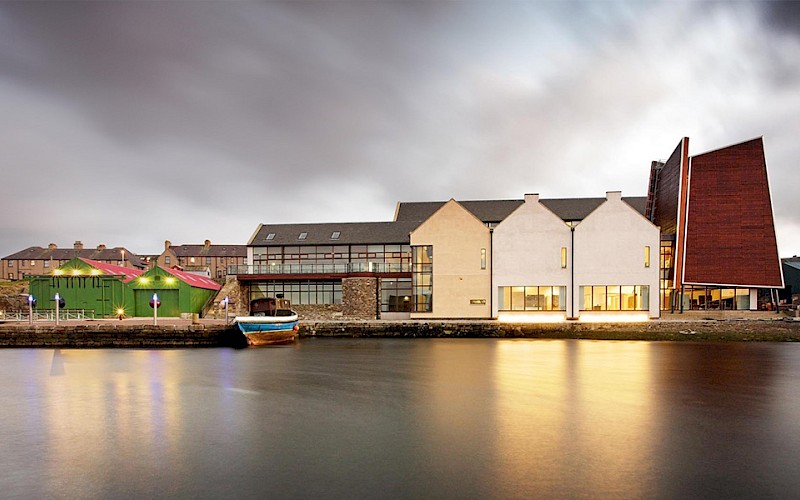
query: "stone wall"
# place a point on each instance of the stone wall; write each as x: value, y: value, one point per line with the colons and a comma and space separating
x: 360, y: 298
x: 321, y: 312
x: 239, y: 295
x: 125, y: 336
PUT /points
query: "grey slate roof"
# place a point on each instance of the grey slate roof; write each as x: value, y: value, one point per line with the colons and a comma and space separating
x: 106, y: 254
x: 409, y: 216
x: 210, y: 251
x: 497, y: 210
x: 350, y: 233
x: 485, y: 210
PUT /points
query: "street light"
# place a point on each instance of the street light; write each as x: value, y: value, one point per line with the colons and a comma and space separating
x: 155, y: 304
x: 60, y: 302
x: 31, y: 303
x: 225, y: 302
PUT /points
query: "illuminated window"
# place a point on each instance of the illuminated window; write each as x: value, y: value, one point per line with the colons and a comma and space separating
x: 422, y: 278
x: 532, y: 298
x: 483, y: 258
x: 647, y: 256
x: 614, y: 298
x: 563, y: 257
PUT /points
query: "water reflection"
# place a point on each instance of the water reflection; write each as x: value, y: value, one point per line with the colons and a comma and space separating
x: 403, y: 419
x: 572, y: 414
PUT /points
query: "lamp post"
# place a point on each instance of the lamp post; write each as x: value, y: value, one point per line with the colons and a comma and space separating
x: 58, y: 300
x: 225, y: 302
x: 155, y: 304
x: 31, y: 302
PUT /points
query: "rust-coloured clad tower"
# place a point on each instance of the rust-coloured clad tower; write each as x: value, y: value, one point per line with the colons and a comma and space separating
x: 717, y: 226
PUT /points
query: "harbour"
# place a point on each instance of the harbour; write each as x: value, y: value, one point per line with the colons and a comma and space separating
x: 392, y: 418
x: 177, y: 333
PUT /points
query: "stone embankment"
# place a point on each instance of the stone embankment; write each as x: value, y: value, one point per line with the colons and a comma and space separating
x: 785, y: 329
x: 214, y: 333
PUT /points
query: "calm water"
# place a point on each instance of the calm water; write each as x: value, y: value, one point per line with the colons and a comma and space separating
x: 379, y: 418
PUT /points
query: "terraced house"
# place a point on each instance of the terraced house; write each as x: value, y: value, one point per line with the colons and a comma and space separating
x: 38, y: 260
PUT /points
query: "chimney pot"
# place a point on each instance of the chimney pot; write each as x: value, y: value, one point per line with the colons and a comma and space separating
x: 78, y: 245
x: 52, y: 246
x: 532, y: 198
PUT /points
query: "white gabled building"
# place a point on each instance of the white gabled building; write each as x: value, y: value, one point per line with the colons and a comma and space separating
x: 616, y: 263
x: 451, y: 266
x: 531, y: 264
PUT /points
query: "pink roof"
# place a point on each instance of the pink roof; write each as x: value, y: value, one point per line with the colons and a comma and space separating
x: 194, y: 279
x: 113, y: 270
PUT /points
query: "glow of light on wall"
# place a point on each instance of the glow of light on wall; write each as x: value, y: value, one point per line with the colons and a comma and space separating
x: 76, y: 272
x: 537, y: 317
x: 94, y: 272
x: 169, y: 280
x: 615, y: 317
x: 144, y: 281
x: 58, y: 272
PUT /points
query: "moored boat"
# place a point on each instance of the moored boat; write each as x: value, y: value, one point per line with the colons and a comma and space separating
x: 271, y: 322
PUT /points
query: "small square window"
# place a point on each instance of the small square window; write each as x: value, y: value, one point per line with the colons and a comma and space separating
x: 335, y: 235
x: 270, y: 236
x: 302, y: 236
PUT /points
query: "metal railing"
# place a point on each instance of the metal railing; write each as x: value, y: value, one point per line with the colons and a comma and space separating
x: 349, y: 268
x: 49, y: 315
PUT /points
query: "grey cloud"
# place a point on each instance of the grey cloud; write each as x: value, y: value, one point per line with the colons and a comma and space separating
x: 215, y: 116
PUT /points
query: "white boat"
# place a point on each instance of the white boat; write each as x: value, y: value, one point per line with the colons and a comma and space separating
x: 271, y: 322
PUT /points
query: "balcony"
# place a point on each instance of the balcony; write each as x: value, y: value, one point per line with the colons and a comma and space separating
x: 299, y: 269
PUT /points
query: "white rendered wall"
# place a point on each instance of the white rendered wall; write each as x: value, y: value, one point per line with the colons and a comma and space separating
x: 457, y: 238
x: 609, y: 250
x: 526, y: 250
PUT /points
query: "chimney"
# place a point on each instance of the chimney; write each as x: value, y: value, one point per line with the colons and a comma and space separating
x: 167, y: 244
x: 532, y: 198
x: 78, y: 245
x: 52, y: 246
x: 613, y: 195
x: 101, y: 247
x: 207, y: 244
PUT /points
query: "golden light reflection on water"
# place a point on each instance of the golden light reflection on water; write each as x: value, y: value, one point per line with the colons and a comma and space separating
x: 579, y: 410
x: 98, y: 410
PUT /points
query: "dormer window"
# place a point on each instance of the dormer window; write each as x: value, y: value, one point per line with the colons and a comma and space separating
x: 302, y: 236
x: 335, y: 235
x: 270, y: 236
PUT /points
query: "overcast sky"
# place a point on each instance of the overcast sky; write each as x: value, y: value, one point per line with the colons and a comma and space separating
x: 130, y: 123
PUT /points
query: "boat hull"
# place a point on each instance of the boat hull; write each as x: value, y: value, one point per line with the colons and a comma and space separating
x: 268, y: 330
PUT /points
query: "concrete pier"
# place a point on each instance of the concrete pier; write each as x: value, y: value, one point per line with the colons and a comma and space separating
x: 176, y: 333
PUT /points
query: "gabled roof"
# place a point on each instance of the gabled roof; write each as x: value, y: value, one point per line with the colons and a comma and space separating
x: 792, y: 264
x: 497, y: 210
x: 113, y: 270
x: 350, y: 233
x: 209, y: 251
x: 193, y: 279
x: 98, y: 254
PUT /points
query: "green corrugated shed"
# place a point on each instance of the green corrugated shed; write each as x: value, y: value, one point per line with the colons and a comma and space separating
x: 179, y: 292
x: 104, y: 289
x: 97, y: 288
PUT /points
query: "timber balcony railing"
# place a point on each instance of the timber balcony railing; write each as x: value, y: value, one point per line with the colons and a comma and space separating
x: 349, y: 268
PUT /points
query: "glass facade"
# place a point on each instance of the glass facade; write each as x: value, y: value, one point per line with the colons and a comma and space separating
x: 665, y: 275
x: 304, y: 292
x: 614, y: 298
x: 332, y: 254
x: 422, y: 278
x: 395, y: 294
x: 712, y: 298
x: 532, y: 298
